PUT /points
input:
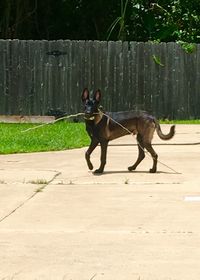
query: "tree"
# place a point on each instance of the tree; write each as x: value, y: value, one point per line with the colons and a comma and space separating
x: 165, y: 20
x: 17, y: 18
x: 139, y: 20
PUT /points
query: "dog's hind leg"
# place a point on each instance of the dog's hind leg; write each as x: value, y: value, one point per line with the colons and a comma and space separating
x: 141, y: 154
x: 150, y: 149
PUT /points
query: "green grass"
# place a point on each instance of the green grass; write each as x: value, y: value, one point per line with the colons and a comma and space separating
x: 181, y: 122
x: 54, y: 137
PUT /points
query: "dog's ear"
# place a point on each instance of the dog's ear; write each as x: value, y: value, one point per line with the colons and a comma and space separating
x: 97, y: 95
x: 85, y: 94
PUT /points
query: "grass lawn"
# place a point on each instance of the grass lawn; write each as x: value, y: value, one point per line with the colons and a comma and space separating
x: 54, y: 137
x: 181, y: 122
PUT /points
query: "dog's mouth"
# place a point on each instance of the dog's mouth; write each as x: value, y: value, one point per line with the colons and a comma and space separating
x: 89, y: 117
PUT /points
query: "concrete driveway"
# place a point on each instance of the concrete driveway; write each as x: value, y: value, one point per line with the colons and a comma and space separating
x: 59, y: 221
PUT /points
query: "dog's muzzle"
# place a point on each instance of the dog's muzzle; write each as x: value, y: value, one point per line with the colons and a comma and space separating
x: 88, y: 117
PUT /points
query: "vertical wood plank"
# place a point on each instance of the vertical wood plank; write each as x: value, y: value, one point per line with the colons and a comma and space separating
x: 118, y: 78
x: 4, y: 76
x: 133, y: 74
x: 111, y: 75
x: 196, y: 92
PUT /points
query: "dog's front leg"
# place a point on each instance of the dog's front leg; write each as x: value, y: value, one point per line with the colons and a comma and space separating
x: 93, y: 144
x: 104, y: 146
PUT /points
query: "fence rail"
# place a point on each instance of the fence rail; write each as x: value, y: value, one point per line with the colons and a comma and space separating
x: 38, y: 76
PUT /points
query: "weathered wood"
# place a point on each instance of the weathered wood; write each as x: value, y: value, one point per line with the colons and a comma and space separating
x: 39, y: 76
x: 4, y: 75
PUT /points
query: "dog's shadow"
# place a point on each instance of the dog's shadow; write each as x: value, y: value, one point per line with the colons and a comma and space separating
x: 129, y: 172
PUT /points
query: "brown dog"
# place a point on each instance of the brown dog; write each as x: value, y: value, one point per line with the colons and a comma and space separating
x: 102, y: 129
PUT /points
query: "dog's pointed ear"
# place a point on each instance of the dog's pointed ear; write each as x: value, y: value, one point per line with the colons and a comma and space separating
x: 85, y: 94
x: 97, y: 95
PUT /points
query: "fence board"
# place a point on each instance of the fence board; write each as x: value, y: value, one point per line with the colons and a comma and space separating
x: 102, y: 69
x: 196, y: 94
x: 118, y: 77
x: 111, y: 58
x: 165, y: 81
x: 4, y: 50
x: 124, y: 76
x: 133, y: 84
x: 38, y: 76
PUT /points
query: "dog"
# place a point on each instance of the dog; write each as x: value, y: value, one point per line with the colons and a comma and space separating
x: 102, y: 129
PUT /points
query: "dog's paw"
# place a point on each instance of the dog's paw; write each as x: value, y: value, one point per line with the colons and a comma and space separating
x: 152, y: 170
x: 131, y: 168
x: 98, y: 171
x: 90, y: 166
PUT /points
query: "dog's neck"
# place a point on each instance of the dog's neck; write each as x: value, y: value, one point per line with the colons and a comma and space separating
x: 98, y: 117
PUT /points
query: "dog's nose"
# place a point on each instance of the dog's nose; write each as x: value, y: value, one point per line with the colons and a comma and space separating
x: 88, y: 110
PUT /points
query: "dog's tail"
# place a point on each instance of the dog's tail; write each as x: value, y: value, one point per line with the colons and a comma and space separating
x: 164, y: 136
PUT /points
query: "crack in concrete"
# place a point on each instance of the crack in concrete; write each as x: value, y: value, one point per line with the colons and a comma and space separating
x: 30, y: 197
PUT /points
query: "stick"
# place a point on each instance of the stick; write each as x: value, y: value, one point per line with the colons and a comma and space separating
x: 59, y: 119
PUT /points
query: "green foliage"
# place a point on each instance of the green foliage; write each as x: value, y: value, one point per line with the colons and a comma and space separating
x: 187, y: 47
x: 139, y: 20
x: 166, y: 20
x: 121, y: 21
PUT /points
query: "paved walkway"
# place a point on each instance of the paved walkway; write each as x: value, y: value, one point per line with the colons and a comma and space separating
x: 59, y: 221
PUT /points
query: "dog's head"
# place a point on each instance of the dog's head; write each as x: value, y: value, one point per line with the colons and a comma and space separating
x: 91, y: 105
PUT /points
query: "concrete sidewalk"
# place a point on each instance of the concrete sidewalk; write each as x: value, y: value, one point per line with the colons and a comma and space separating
x: 59, y: 221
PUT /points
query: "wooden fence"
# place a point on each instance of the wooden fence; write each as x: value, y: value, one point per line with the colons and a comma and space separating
x: 37, y: 76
